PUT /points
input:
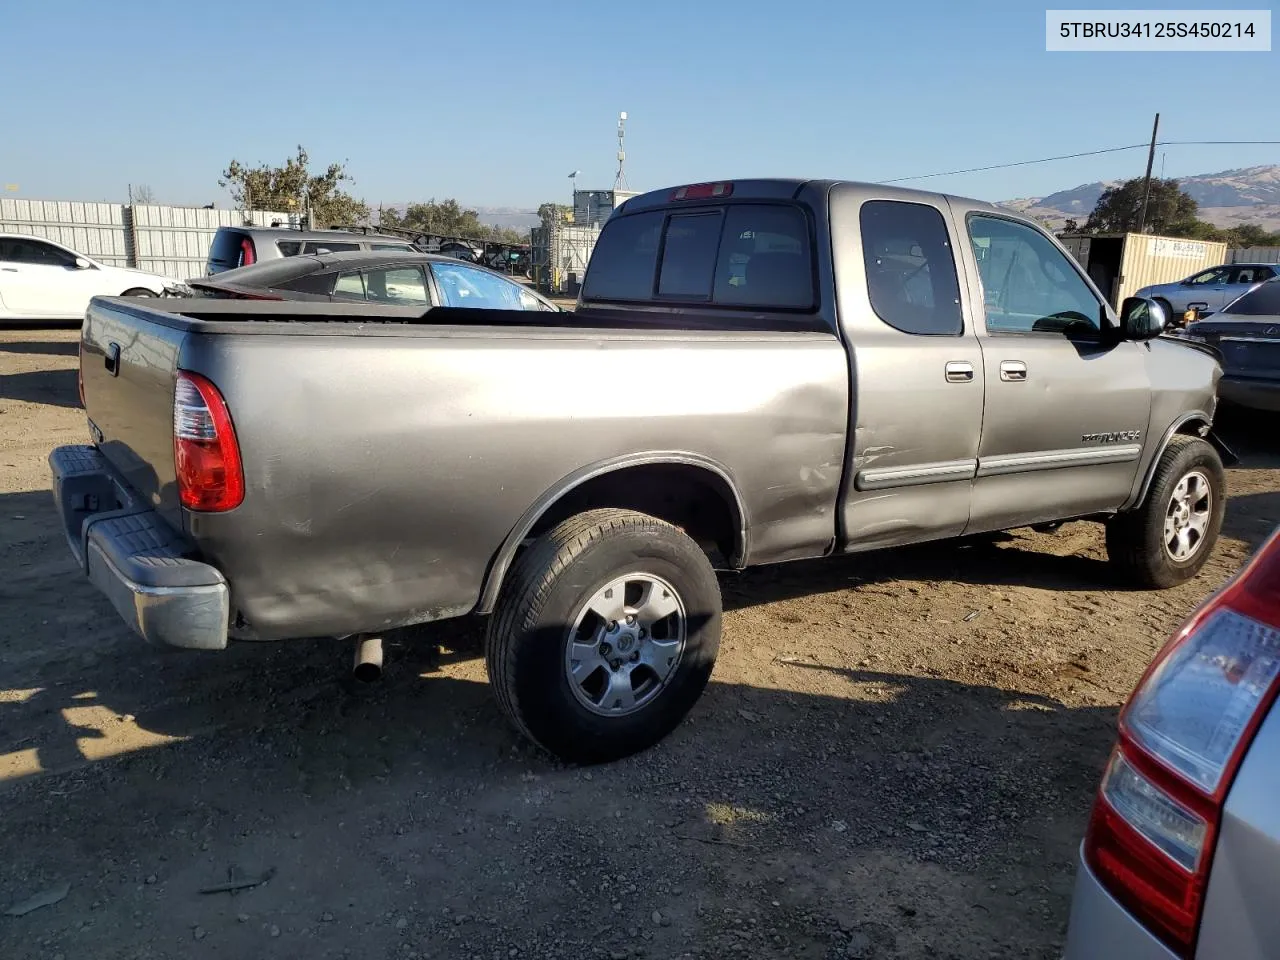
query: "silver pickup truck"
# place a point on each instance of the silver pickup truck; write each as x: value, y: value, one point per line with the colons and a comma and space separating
x: 758, y: 371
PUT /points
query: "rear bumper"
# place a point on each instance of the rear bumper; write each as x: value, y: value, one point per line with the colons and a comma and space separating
x: 142, y: 565
x: 1255, y: 394
x: 1102, y: 929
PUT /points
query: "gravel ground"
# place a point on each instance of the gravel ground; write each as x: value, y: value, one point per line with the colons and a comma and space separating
x: 895, y: 758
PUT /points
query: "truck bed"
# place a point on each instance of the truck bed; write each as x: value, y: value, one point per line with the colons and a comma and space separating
x: 389, y: 453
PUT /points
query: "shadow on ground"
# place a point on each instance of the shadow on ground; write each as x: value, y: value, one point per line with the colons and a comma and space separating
x: 52, y: 387
x: 52, y: 348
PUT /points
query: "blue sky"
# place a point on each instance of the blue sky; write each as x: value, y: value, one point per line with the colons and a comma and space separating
x: 494, y: 103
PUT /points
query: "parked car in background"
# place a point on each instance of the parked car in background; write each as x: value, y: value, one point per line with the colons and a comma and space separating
x: 1247, y: 334
x: 235, y: 247
x: 43, y: 280
x: 1182, y: 855
x: 1209, y: 290
x: 395, y: 278
x: 269, y: 471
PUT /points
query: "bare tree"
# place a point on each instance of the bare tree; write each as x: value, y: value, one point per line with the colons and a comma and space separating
x: 142, y: 194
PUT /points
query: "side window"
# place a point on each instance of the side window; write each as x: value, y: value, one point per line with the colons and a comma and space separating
x: 34, y: 252
x: 1028, y: 284
x: 1216, y: 275
x: 689, y: 255
x: 464, y: 286
x: 396, y: 285
x: 624, y: 259
x: 911, y: 269
x: 289, y: 248
x: 1245, y: 275
x: 329, y: 246
x: 350, y: 286
x: 1265, y: 273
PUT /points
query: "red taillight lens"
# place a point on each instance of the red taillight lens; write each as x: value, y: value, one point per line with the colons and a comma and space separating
x: 206, y: 454
x: 248, y: 253
x: 702, y: 191
x: 1183, y: 734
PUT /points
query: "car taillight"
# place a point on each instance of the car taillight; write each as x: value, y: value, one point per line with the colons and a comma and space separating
x: 206, y: 453
x: 1183, y: 734
x: 702, y: 191
x: 248, y: 253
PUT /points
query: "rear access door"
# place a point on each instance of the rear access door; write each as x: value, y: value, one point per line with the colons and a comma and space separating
x: 917, y: 369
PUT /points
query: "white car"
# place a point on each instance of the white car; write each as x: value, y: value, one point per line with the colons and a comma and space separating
x: 43, y: 280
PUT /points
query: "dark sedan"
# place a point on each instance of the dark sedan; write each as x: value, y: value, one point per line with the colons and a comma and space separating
x: 1247, y: 333
x: 392, y: 278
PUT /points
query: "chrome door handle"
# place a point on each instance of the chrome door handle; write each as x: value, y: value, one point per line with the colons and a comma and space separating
x: 1014, y: 371
x: 959, y: 371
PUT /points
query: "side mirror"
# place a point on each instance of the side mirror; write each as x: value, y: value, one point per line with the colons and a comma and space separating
x: 1142, y: 319
x: 82, y: 263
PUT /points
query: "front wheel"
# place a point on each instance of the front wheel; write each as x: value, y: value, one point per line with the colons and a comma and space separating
x: 1167, y: 539
x: 138, y: 292
x: 604, y: 635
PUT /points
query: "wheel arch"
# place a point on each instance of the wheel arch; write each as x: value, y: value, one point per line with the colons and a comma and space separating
x: 671, y: 486
x: 1196, y: 423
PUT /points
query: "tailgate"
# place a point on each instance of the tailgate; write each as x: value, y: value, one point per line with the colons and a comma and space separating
x: 128, y: 359
x: 1250, y: 356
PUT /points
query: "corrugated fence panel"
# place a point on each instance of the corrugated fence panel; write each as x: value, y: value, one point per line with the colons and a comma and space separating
x: 1255, y: 255
x: 174, y: 241
x: 94, y: 229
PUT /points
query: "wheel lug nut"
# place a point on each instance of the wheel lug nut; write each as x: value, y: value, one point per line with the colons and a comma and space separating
x: 613, y: 625
x: 630, y: 619
x: 616, y: 664
x: 635, y: 656
x: 605, y: 649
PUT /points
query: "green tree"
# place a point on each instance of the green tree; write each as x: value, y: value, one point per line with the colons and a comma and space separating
x: 550, y: 213
x: 1170, y: 211
x: 293, y: 187
x: 447, y: 218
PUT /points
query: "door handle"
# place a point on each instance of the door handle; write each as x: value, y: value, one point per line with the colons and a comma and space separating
x: 111, y: 360
x: 1013, y: 371
x: 959, y: 371
x: 9, y: 269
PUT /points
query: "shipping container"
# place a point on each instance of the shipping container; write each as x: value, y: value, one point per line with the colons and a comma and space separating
x: 1123, y: 263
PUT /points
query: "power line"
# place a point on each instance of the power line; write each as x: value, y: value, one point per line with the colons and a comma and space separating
x: 1088, y: 153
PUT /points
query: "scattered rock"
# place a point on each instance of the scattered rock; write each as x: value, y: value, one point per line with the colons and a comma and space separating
x: 401, y: 923
x: 657, y: 917
x: 45, y: 898
x: 199, y: 933
x: 326, y: 917
x: 242, y: 917
x: 858, y: 947
x: 275, y: 931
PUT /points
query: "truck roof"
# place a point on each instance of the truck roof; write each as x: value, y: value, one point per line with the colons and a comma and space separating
x: 784, y: 188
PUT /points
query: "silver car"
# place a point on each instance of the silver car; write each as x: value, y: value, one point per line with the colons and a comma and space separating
x: 1182, y: 856
x: 1209, y: 290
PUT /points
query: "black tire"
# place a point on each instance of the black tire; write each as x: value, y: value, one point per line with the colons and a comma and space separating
x: 137, y: 292
x: 525, y: 645
x: 1170, y: 316
x: 1136, y: 540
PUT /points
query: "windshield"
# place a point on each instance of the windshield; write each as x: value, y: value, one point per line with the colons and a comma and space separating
x: 1262, y: 301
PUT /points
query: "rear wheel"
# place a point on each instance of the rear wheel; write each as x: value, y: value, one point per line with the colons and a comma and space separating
x: 1167, y: 539
x: 604, y: 635
x: 138, y: 292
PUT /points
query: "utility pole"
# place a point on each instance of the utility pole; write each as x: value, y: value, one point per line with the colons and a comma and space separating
x: 1146, y: 182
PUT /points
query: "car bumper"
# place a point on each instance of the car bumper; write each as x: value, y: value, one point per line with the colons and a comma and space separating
x: 139, y: 562
x: 1101, y: 929
x: 1247, y: 392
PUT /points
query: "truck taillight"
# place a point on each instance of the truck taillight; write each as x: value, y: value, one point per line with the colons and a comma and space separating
x: 1183, y: 734
x: 206, y: 453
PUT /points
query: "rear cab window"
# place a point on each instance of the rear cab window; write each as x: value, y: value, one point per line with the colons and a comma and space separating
x: 746, y: 254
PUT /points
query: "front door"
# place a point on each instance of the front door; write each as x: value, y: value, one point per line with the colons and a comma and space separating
x: 1067, y: 406
x: 41, y: 280
x: 916, y: 369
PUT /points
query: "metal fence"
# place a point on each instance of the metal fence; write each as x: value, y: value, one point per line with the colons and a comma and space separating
x: 1254, y: 255
x: 173, y: 241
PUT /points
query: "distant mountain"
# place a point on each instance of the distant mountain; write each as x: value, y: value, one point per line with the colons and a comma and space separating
x: 1226, y: 199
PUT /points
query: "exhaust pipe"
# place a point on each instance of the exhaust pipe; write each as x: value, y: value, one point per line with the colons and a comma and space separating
x: 368, y: 665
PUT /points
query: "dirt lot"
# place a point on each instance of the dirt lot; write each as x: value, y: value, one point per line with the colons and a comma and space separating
x: 895, y: 759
